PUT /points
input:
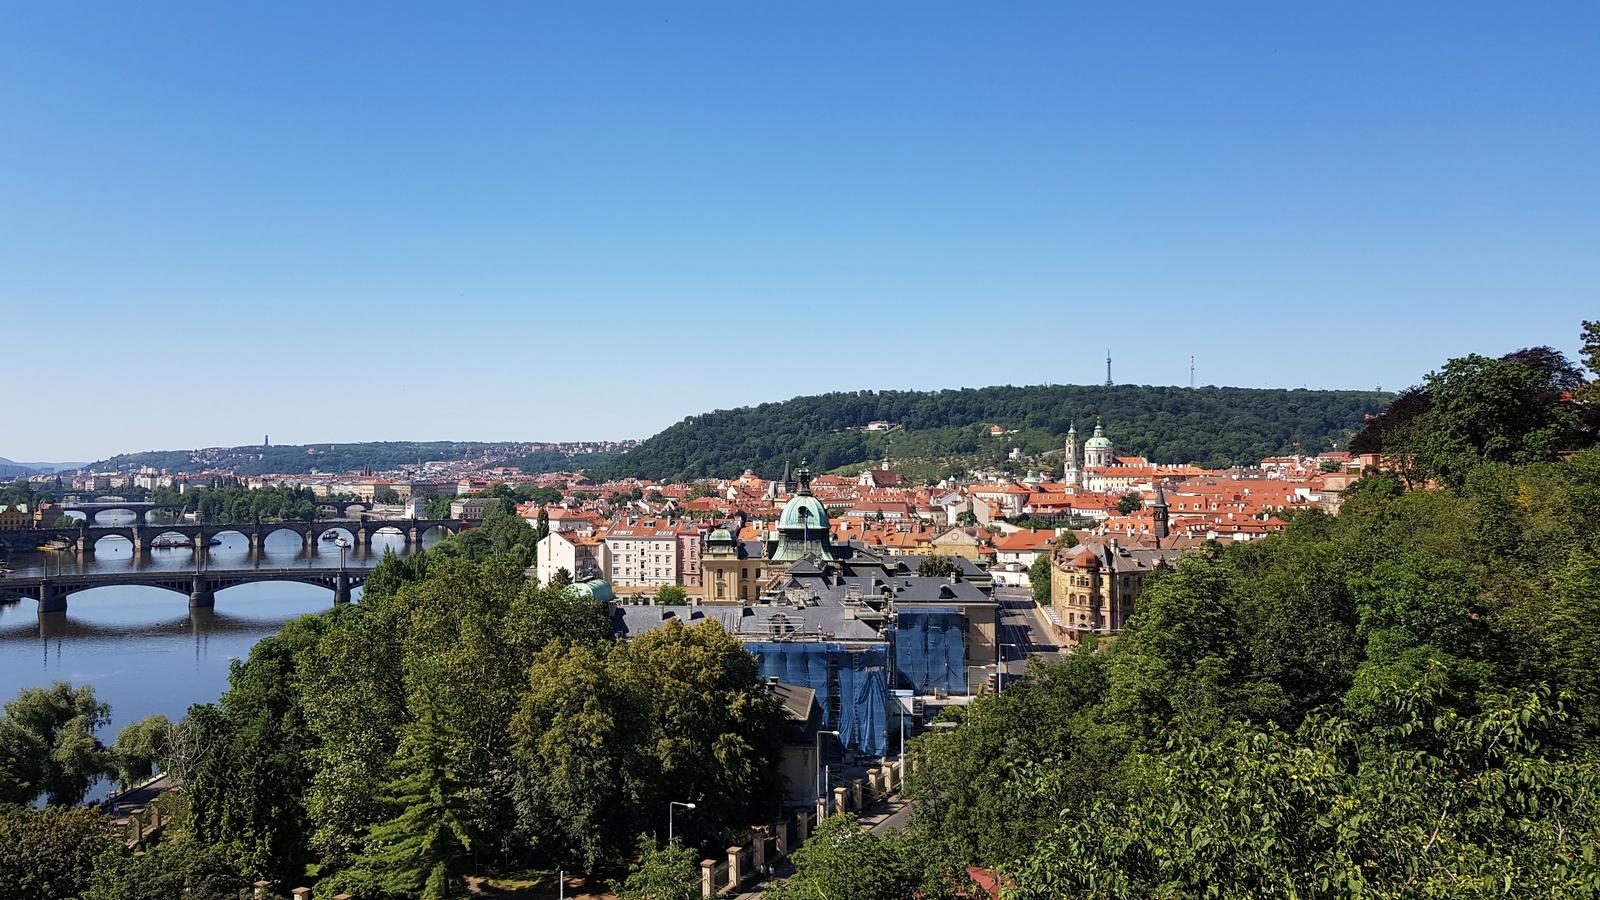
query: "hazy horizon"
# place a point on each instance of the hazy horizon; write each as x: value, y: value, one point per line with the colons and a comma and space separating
x: 538, y: 439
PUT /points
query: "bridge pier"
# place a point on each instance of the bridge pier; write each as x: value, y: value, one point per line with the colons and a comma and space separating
x: 83, y: 546
x: 201, y: 595
x: 52, y: 599
x: 255, y: 540
x: 341, y: 589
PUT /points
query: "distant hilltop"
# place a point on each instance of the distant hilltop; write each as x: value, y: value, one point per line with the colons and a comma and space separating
x: 287, y: 459
x: 1209, y: 426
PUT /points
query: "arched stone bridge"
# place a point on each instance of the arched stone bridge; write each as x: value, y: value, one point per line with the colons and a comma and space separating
x: 84, y: 537
x: 201, y: 585
x: 139, y: 509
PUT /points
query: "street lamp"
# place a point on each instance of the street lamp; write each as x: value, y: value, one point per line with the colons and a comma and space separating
x: 1000, y: 669
x: 819, y: 759
x: 343, y: 545
x: 669, y: 816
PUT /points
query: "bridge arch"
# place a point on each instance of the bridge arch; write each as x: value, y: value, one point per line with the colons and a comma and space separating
x: 242, y: 531
x: 118, y: 538
x: 437, y: 530
x: 348, y: 532
x: 95, y: 514
x: 169, y: 585
x: 158, y: 535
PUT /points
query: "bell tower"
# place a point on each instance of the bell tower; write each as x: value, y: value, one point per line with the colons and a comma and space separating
x: 1069, y: 471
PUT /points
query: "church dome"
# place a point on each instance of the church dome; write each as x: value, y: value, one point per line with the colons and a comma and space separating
x: 1099, y: 441
x: 803, y: 511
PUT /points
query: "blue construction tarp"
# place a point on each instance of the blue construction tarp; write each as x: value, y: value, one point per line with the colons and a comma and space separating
x: 929, y: 653
x: 864, y: 698
x: 800, y: 664
x: 862, y: 676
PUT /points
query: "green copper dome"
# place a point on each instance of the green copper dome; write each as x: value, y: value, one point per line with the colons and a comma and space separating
x: 1099, y: 441
x: 801, y: 512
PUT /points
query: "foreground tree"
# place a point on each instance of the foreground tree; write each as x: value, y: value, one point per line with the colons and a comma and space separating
x: 843, y: 861
x: 425, y: 845
x: 139, y: 747
x: 1434, y: 805
x: 173, y: 868
x: 50, y: 853
x: 662, y: 873
x: 48, y: 745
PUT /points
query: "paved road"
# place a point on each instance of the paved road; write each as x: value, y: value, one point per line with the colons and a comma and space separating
x: 1025, y: 626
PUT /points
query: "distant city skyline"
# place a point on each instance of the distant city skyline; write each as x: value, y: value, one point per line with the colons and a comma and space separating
x: 570, y: 222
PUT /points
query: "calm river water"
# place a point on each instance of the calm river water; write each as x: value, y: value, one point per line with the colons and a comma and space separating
x: 142, y: 648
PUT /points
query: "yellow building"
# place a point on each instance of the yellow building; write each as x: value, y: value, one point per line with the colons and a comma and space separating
x: 730, y: 573
x: 1093, y: 589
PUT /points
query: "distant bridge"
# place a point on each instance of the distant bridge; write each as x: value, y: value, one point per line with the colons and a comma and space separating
x: 201, y: 585
x: 83, y: 538
x: 139, y: 509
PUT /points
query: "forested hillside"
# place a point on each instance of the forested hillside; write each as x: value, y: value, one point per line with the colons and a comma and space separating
x: 376, y: 455
x: 1210, y: 426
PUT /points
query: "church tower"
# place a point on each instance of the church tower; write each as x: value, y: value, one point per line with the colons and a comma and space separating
x: 1069, y: 472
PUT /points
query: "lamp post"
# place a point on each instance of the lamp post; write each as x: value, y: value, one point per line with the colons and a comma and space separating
x: 1000, y: 670
x: 669, y: 817
x: 819, y: 758
x: 343, y: 545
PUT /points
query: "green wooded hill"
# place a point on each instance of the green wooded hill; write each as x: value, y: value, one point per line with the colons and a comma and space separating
x: 1214, y: 426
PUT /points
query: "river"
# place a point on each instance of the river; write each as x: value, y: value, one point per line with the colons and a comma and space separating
x: 142, y: 648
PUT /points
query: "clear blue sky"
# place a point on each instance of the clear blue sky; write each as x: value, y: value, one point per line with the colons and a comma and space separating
x: 349, y: 221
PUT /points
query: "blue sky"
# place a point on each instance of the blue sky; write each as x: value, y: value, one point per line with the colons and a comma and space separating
x: 517, y: 221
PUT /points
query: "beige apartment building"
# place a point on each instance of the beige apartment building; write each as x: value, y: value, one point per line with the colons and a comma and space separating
x: 639, y: 556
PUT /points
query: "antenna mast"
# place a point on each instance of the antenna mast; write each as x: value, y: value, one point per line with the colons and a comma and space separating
x: 1191, y: 371
x: 1108, y: 367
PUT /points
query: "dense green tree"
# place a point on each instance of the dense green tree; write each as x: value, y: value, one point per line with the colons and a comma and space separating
x: 1039, y: 579
x: 1490, y: 410
x: 139, y: 747
x: 49, y: 747
x: 247, y: 786
x: 580, y: 737
x: 173, y: 868
x: 352, y: 688
x: 671, y: 595
x: 1435, y: 804
x: 715, y: 729
x: 1129, y: 503
x: 843, y: 861
x: 1590, y: 352
x: 662, y: 873
x: 607, y: 735
x: 51, y: 852
x: 424, y: 846
x: 935, y: 565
